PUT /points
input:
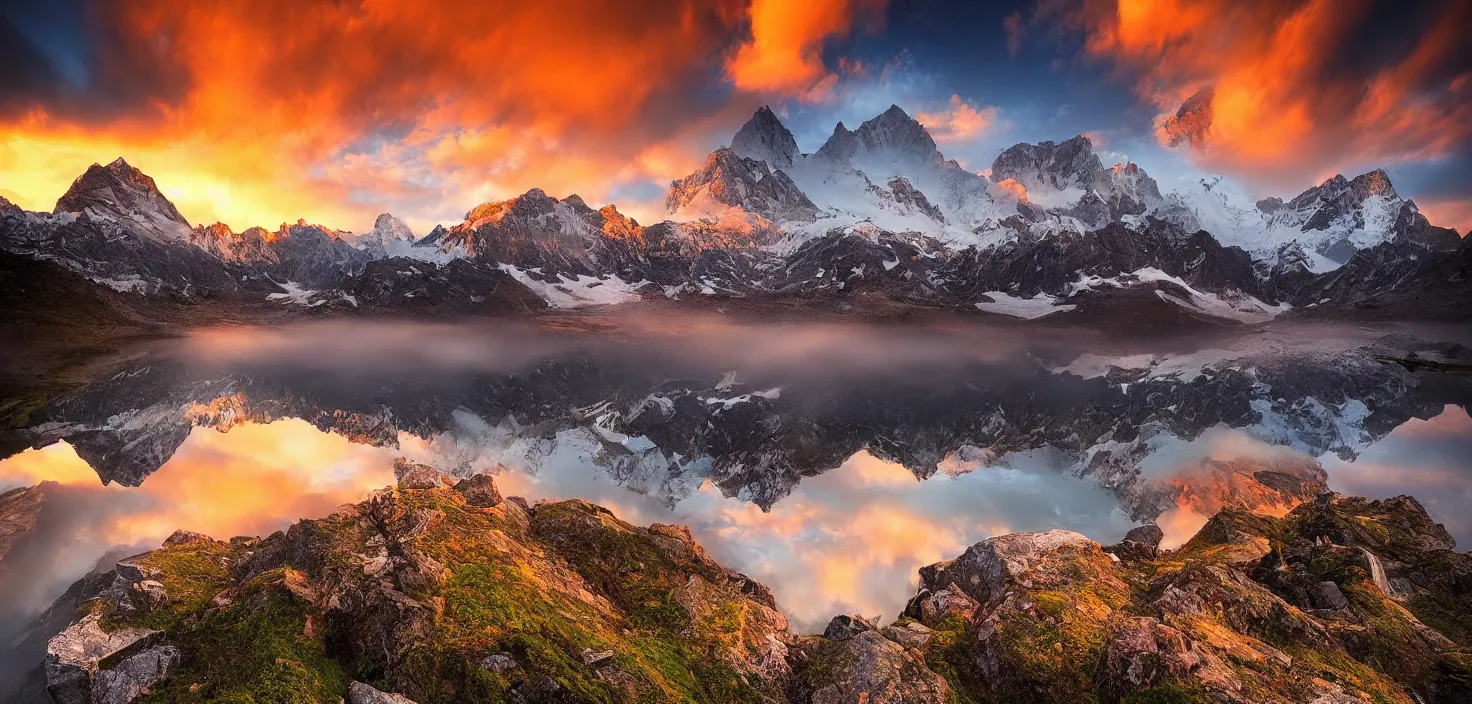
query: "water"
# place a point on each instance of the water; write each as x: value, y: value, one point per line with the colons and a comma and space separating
x: 827, y: 460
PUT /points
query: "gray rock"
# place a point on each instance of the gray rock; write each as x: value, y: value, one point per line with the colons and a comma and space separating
x: 359, y: 693
x: 1326, y: 595
x: 1148, y: 534
x: 844, y: 627
x: 592, y: 658
x: 498, y: 662
x: 149, y: 594
x: 72, y: 656
x: 135, y: 675
x: 180, y: 537
x: 869, y: 669
x: 982, y: 572
x: 911, y: 634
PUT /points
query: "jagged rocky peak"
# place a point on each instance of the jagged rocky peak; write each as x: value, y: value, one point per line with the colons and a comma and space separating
x: 765, y: 138
x: 534, y: 203
x: 388, y: 224
x: 7, y: 207
x: 892, y: 137
x: 1337, y: 196
x: 387, y: 229
x: 122, y: 194
x: 729, y: 181
x: 1061, y: 166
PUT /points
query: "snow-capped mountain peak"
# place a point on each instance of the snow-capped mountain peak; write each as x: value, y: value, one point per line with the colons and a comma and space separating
x: 387, y: 230
x: 122, y: 195
x: 765, y: 138
x: 728, y: 181
x: 892, y: 137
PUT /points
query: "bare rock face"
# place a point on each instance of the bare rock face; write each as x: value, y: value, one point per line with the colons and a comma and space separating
x: 359, y: 693
x: 72, y: 656
x: 906, y: 193
x: 20, y: 508
x: 1067, y: 164
x: 867, y: 668
x: 911, y: 634
x: 135, y: 675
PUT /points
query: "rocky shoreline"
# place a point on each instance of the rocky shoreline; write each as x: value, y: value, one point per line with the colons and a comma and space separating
x: 445, y: 591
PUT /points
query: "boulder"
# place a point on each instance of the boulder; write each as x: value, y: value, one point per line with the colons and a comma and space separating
x: 359, y: 693
x: 1141, y: 543
x: 868, y: 669
x: 983, y: 571
x: 135, y: 675
x: 72, y: 656
x: 412, y: 475
x: 479, y: 490
x: 911, y: 634
x: 1141, y: 653
x: 844, y: 627
x: 930, y: 608
x: 498, y: 662
x: 1326, y: 595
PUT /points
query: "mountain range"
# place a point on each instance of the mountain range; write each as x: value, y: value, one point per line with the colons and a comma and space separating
x: 875, y: 211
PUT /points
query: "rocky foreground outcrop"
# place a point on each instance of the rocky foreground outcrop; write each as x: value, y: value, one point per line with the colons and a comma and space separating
x: 434, y: 593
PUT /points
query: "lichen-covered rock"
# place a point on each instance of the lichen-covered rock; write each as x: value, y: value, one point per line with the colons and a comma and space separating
x: 930, y: 607
x: 72, y: 656
x: 359, y: 693
x: 1140, y: 543
x: 844, y: 627
x: 909, y: 633
x: 425, y: 593
x: 412, y: 475
x: 134, y: 676
x: 1046, y: 603
x: 1143, y: 653
x: 479, y: 490
x: 985, y: 570
x: 867, y: 668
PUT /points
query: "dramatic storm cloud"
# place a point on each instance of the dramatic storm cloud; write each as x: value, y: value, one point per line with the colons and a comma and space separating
x: 265, y: 112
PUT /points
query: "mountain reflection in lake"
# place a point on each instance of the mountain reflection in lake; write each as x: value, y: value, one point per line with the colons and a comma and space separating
x: 873, y: 450
x: 849, y: 539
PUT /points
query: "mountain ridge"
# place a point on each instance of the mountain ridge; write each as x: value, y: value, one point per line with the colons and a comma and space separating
x: 737, y: 223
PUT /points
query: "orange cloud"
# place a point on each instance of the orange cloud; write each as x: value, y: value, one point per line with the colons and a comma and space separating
x: 961, y: 120
x: 1012, y: 187
x: 785, y: 52
x: 1263, y: 87
x: 269, y: 110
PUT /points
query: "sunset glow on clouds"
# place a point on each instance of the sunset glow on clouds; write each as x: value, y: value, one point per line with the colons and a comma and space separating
x: 1288, y: 92
x: 257, y: 113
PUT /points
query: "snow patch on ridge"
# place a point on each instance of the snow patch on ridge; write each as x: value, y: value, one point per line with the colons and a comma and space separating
x: 1026, y: 308
x: 567, y: 291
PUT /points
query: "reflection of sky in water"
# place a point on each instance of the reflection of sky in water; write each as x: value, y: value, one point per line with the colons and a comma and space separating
x: 1428, y: 459
x: 850, y: 539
